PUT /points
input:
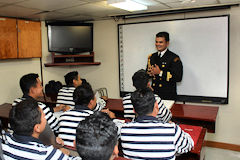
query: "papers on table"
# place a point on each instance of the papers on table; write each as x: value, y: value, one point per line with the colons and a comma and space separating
x: 168, y: 103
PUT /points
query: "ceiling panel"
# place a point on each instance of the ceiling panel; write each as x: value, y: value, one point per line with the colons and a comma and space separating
x: 87, y: 8
x: 11, y: 1
x: 106, y: 14
x: 158, y: 7
x: 48, y: 16
x: 148, y: 2
x: 95, y: 10
x: 2, y: 4
x: 93, y: 0
x: 17, y: 11
x: 50, y: 5
x: 78, y: 18
x: 190, y: 4
x: 107, y: 10
x: 229, y: 1
x: 167, y: 1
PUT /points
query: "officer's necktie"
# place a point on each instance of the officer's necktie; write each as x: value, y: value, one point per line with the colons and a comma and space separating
x: 160, y: 55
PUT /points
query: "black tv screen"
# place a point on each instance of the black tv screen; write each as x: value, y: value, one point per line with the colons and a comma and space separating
x: 70, y: 39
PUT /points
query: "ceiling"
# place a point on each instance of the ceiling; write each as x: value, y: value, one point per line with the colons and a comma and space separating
x: 84, y: 10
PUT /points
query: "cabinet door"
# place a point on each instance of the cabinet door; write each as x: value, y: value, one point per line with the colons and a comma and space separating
x: 8, y: 38
x: 29, y: 39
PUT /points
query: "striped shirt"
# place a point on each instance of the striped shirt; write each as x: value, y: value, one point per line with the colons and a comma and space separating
x: 164, y: 113
x: 18, y: 147
x: 65, y: 96
x: 51, y: 119
x: 69, y: 121
x: 149, y: 138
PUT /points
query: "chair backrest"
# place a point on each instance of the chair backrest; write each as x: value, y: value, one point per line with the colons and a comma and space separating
x: 47, y: 137
x: 100, y: 92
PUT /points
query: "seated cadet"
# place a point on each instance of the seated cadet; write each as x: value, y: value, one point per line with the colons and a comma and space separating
x: 96, y: 138
x: 28, y: 121
x: 141, y: 80
x: 32, y: 88
x: 65, y: 94
x: 85, y: 102
x: 1, y: 152
x: 149, y: 138
x: 1, y: 132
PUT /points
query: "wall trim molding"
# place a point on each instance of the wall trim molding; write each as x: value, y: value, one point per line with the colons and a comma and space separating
x: 221, y: 145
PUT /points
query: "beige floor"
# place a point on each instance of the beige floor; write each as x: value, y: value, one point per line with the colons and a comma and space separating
x: 221, y: 154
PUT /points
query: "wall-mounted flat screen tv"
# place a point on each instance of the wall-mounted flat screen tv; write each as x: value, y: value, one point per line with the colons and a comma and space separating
x: 70, y: 38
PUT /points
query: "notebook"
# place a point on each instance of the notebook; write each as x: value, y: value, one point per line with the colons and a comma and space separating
x: 193, y: 131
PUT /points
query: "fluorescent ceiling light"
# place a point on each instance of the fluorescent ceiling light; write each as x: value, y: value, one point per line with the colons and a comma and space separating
x: 128, y: 5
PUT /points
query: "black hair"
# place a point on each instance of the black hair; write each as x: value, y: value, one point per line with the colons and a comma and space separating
x: 140, y: 79
x: 143, y: 101
x: 84, y: 80
x: 52, y: 89
x: 1, y: 141
x: 163, y: 34
x: 69, y: 77
x: 24, y: 116
x: 83, y: 94
x: 96, y: 137
x: 1, y: 127
x: 27, y: 81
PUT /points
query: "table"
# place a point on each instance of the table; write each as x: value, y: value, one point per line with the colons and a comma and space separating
x: 116, y: 106
x: 198, y: 153
x: 197, y: 115
x: 204, y: 116
x: 5, y: 109
x: 4, y: 113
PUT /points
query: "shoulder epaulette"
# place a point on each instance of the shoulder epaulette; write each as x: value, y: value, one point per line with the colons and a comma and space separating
x: 176, y: 59
x: 150, y: 55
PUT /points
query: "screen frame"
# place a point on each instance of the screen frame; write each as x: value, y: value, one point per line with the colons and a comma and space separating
x: 185, y: 98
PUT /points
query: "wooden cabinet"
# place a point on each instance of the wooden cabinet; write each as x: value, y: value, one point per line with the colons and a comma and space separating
x: 20, y: 38
x: 29, y: 39
x: 8, y: 38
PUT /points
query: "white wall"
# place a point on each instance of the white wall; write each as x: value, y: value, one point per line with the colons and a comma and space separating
x: 105, y: 48
x: 11, y: 72
x: 106, y: 74
x: 227, y: 126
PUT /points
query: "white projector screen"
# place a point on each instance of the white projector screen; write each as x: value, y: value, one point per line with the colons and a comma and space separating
x: 201, y: 43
